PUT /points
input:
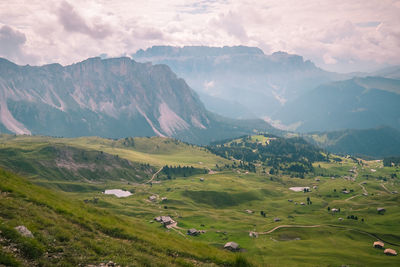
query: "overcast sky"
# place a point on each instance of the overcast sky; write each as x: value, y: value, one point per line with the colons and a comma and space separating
x: 337, y: 35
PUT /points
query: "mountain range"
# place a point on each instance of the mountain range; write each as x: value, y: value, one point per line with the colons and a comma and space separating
x: 120, y: 97
x: 358, y: 103
x: 110, y: 98
x: 284, y: 89
x: 260, y: 83
x: 366, y: 143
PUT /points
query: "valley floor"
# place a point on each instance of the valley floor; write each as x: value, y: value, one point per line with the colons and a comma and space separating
x: 297, y: 228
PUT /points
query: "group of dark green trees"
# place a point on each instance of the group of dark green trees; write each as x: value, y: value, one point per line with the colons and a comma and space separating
x: 389, y: 161
x: 282, y: 154
x: 178, y: 171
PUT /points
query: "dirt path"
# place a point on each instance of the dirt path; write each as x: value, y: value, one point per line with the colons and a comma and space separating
x: 364, y: 191
x: 363, y: 188
x: 328, y: 225
x: 288, y: 226
x: 363, y: 232
x: 210, y: 171
x: 355, y: 173
x: 351, y: 197
x: 154, y: 176
x: 179, y: 232
x: 384, y: 187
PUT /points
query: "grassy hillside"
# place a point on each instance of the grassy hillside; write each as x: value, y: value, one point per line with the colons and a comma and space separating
x: 218, y: 205
x: 72, y: 164
x: 227, y: 204
x: 68, y: 232
x: 155, y: 151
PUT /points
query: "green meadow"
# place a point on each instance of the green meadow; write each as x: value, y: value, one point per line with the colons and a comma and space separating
x: 75, y: 223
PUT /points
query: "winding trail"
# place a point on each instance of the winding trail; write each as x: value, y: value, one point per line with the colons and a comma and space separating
x: 364, y: 191
x: 288, y: 226
x: 154, y: 175
x: 363, y: 188
x: 364, y: 232
x: 210, y: 171
x: 330, y: 225
x: 384, y: 187
x: 351, y: 197
x: 179, y: 232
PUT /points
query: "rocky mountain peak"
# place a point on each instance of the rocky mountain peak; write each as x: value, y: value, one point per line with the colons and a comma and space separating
x: 115, y: 97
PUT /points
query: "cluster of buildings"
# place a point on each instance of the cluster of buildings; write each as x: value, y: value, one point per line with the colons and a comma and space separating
x: 388, y: 251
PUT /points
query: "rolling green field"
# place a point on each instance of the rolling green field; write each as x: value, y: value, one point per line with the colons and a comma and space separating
x: 226, y: 204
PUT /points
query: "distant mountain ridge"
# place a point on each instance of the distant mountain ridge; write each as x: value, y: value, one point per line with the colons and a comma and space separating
x: 358, y: 103
x: 196, y: 51
x: 389, y: 72
x: 245, y: 75
x: 371, y: 143
x: 115, y: 98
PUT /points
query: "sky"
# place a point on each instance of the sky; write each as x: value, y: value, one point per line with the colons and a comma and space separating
x: 341, y: 36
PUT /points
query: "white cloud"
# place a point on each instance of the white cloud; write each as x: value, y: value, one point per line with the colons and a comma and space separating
x: 12, y: 44
x: 72, y: 21
x: 11, y: 41
x: 338, y: 35
x: 328, y: 59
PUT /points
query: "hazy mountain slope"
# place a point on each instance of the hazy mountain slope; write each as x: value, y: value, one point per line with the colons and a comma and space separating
x: 389, y: 72
x: 262, y: 83
x: 230, y: 109
x: 357, y: 103
x: 375, y: 143
x: 112, y: 98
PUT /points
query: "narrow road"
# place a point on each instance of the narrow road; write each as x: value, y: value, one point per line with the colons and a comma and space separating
x: 363, y: 188
x: 384, y: 187
x: 329, y: 225
x: 288, y: 226
x: 154, y: 176
x: 364, y: 191
x: 351, y: 197
x: 364, y: 232
x: 179, y: 232
x: 211, y: 171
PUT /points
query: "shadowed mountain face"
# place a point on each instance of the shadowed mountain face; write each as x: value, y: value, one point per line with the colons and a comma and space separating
x: 359, y: 103
x: 245, y: 75
x: 371, y: 143
x: 110, y: 98
x: 390, y: 72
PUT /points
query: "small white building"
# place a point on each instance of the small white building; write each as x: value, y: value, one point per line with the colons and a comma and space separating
x: 390, y: 252
x: 232, y: 246
x: 167, y: 221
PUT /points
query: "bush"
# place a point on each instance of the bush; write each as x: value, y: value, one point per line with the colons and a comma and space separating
x: 8, y: 260
x: 241, y: 261
x: 29, y: 247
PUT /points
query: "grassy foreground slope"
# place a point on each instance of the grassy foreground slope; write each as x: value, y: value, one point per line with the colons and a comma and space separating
x: 68, y: 233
